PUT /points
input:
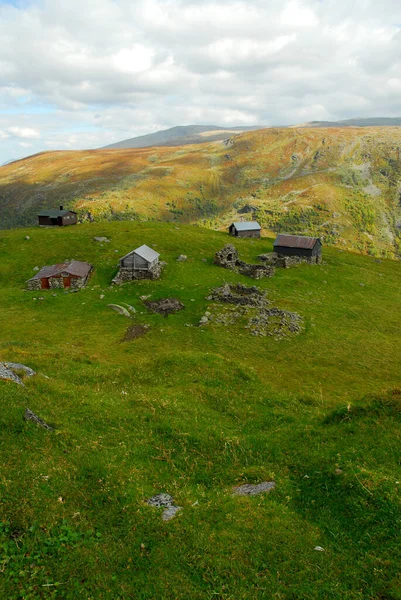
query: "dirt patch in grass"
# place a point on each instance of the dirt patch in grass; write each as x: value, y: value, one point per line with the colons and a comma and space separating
x: 164, y: 306
x: 135, y: 331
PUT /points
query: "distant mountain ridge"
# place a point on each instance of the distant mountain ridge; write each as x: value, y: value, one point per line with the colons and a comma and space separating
x: 357, y: 122
x: 182, y: 135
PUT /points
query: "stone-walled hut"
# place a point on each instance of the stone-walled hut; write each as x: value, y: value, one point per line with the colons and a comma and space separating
x: 74, y: 275
x: 142, y: 263
x: 57, y: 218
x: 245, y: 229
x: 306, y: 248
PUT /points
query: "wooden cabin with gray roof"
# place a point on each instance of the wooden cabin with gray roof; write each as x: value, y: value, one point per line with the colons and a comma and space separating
x: 57, y: 218
x: 141, y: 263
x: 245, y: 229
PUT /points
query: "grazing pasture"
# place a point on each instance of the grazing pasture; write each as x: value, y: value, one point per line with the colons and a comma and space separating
x: 156, y: 404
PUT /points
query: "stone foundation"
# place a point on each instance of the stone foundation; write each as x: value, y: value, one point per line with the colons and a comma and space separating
x: 228, y: 259
x: 251, y: 307
x: 125, y: 274
x: 57, y: 283
x: 239, y: 294
x: 283, y: 261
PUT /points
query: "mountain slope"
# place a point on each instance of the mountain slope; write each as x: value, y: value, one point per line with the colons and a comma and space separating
x: 180, y: 136
x: 341, y: 184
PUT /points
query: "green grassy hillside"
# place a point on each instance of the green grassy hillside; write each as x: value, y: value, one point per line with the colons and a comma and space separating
x: 193, y: 411
x: 341, y: 184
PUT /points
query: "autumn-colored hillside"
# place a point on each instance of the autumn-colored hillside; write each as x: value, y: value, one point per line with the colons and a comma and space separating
x: 342, y: 184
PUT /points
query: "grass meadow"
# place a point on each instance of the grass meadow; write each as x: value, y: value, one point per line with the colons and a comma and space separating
x: 193, y: 411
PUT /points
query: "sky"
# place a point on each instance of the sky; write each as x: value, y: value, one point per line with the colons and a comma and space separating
x: 78, y: 74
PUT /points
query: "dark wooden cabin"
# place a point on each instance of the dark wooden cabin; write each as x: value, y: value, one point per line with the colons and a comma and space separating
x: 298, y: 245
x: 245, y: 229
x: 141, y: 259
x: 57, y: 218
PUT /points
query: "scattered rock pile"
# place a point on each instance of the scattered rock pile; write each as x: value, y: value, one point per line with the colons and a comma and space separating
x: 164, y: 306
x: 251, y: 305
x: 228, y: 259
x: 276, y: 323
x: 167, y: 502
x: 239, y: 294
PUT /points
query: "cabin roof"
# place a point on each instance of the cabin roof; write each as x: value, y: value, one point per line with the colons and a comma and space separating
x: 53, y: 214
x: 295, y: 241
x: 147, y: 253
x: 75, y: 268
x: 246, y: 226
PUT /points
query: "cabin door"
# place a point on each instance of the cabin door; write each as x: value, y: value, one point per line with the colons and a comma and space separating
x: 67, y: 281
x: 45, y: 284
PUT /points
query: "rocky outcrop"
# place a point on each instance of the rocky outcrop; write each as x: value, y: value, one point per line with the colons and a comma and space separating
x: 7, y: 372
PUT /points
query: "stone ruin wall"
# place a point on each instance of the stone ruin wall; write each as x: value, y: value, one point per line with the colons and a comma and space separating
x: 228, y: 259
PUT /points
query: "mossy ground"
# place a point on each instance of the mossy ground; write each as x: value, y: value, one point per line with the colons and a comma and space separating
x: 192, y: 412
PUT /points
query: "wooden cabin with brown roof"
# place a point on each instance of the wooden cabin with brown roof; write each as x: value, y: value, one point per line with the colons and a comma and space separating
x: 73, y: 275
x: 306, y: 248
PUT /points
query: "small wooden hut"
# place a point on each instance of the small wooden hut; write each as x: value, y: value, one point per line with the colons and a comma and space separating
x: 142, y: 263
x: 307, y: 248
x: 57, y: 218
x: 245, y: 229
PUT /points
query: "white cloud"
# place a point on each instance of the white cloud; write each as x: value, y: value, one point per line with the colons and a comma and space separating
x: 75, y: 74
x: 24, y: 132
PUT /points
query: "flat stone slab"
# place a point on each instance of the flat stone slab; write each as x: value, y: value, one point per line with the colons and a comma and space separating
x: 161, y: 501
x: 170, y: 512
x: 120, y: 310
x: 250, y: 489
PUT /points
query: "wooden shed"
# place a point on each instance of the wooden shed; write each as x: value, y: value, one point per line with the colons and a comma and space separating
x: 63, y: 275
x: 57, y: 218
x: 141, y: 263
x: 141, y: 259
x: 308, y: 248
x: 245, y: 229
